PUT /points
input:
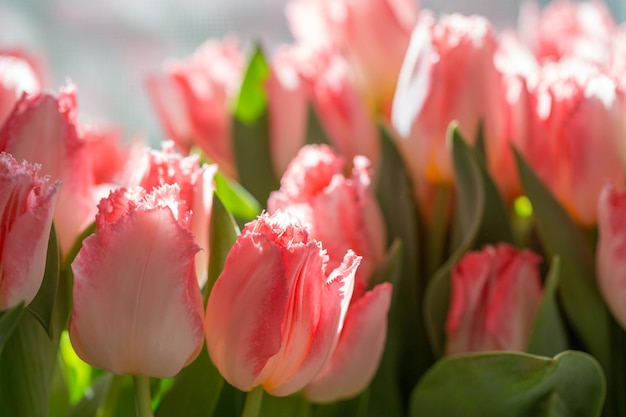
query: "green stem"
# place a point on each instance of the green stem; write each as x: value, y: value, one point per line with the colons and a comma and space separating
x: 253, y: 402
x: 107, y: 408
x: 143, y: 402
x: 437, y: 229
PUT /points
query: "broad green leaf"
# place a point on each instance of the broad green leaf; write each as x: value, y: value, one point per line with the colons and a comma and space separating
x: 43, y: 303
x: 290, y: 406
x: 230, y: 402
x: 562, y: 237
x: 59, y: 404
x: 71, y: 255
x: 481, y: 217
x: 195, y: 392
x: 223, y: 233
x: 354, y: 407
x: 95, y: 396
x: 511, y: 384
x: 9, y: 320
x: 409, y: 349
x: 548, y: 336
x: 315, y: 132
x: 236, y: 199
x: 252, y: 100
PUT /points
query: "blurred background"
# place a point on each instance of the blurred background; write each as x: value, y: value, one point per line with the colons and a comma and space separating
x: 106, y: 47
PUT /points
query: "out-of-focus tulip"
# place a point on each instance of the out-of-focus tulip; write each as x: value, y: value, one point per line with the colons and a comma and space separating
x: 44, y: 130
x: 496, y: 293
x: 196, y: 189
x: 17, y: 77
x: 338, y: 211
x: 566, y: 29
x: 301, y: 76
x: 137, y: 308
x: 576, y: 131
x: 192, y: 99
x: 274, y: 314
x: 448, y: 75
x: 372, y: 34
x: 343, y: 214
x: 611, y: 250
x: 26, y: 207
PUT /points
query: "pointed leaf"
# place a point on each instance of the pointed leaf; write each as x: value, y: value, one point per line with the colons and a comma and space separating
x: 548, y: 335
x: 561, y: 236
x: 315, y: 132
x: 511, y: 384
x: 42, y: 304
x: 252, y: 100
x: 236, y: 199
x: 9, y: 320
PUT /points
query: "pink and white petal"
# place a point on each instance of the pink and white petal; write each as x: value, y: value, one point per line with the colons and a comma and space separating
x: 134, y: 310
x: 357, y: 355
x: 202, y: 206
x: 245, y: 310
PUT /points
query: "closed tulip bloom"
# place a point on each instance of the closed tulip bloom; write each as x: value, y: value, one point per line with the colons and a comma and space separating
x: 44, y: 129
x: 496, y: 293
x: 193, y: 97
x: 576, y: 134
x: 274, y: 314
x: 610, y: 252
x: 17, y: 77
x: 195, y: 180
x: 26, y: 207
x: 448, y: 75
x: 137, y: 308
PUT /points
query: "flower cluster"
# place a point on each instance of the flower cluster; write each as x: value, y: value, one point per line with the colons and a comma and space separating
x: 396, y: 213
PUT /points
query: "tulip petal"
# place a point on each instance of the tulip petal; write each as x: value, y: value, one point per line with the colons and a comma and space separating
x: 144, y: 316
x: 357, y: 355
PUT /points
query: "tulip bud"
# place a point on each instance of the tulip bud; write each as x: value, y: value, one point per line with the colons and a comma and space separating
x: 274, y: 314
x: 495, y: 297
x: 137, y: 308
x: 26, y: 207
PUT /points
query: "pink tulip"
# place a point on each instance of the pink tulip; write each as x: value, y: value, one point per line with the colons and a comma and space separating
x: 193, y: 99
x: 302, y: 76
x: 274, y: 315
x: 196, y: 189
x: 44, y: 130
x: 610, y: 253
x: 372, y: 34
x: 26, y: 207
x: 448, y: 75
x: 568, y: 29
x: 576, y: 134
x: 343, y: 214
x: 137, y: 307
x: 17, y: 77
x: 495, y: 297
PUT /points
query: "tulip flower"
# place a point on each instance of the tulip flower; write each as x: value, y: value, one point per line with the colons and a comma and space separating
x: 372, y: 34
x: 448, y: 75
x: 577, y: 132
x: 496, y: 293
x: 192, y: 99
x: 137, y: 307
x: 44, y: 130
x: 26, y: 206
x: 275, y: 314
x: 196, y: 189
x: 610, y: 250
x: 17, y: 77
x: 301, y: 76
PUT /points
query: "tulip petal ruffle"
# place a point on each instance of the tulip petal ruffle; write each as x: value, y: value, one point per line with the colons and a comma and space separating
x: 137, y: 306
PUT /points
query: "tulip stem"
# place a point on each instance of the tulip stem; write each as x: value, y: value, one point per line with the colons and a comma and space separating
x: 143, y: 402
x: 253, y: 402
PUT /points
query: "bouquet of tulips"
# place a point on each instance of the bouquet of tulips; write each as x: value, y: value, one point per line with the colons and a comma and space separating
x: 398, y: 214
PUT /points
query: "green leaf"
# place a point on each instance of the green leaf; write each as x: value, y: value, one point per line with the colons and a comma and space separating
x: 561, y: 236
x: 481, y: 218
x: 195, y: 392
x: 292, y: 405
x: 548, y: 335
x: 43, y: 303
x: 9, y: 320
x: 71, y: 255
x: 27, y: 363
x: 315, y: 131
x: 511, y: 384
x: 409, y: 349
x: 236, y: 199
x: 223, y: 233
x: 90, y: 403
x: 252, y: 100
